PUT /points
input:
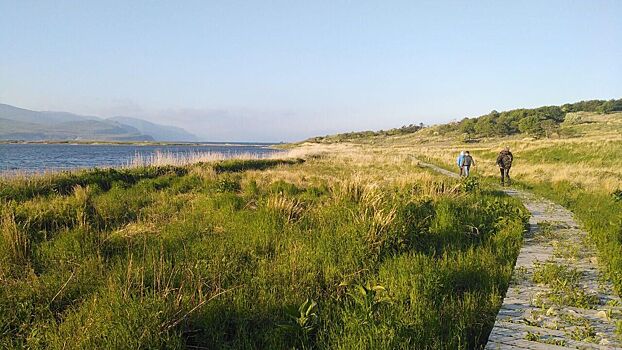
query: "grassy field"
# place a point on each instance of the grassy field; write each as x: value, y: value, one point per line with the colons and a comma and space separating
x: 580, y: 168
x: 347, y: 249
x: 347, y: 245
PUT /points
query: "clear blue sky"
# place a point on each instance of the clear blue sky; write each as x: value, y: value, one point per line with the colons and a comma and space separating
x: 287, y: 70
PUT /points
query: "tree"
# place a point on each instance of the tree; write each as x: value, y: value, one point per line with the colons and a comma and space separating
x: 610, y: 106
x: 531, y: 125
x: 485, y: 126
x: 549, y: 127
x: 467, y: 126
x: 507, y: 123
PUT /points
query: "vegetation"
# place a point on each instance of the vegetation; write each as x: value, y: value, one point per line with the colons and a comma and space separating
x: 564, y: 283
x: 349, y: 136
x: 254, y: 254
x: 601, y: 215
x: 354, y: 247
x: 580, y: 169
x: 538, y: 122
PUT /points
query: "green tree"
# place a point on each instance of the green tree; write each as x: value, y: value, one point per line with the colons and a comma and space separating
x: 467, y: 126
x: 549, y: 127
x: 531, y: 125
x: 485, y: 126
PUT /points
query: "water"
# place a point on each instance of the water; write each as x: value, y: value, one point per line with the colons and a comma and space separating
x: 32, y: 158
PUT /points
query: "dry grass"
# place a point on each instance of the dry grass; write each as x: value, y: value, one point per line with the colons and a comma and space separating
x: 15, y: 241
x: 160, y: 158
x: 290, y: 208
x: 592, y: 158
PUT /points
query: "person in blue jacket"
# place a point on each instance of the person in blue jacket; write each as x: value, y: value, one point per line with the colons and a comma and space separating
x: 460, y: 160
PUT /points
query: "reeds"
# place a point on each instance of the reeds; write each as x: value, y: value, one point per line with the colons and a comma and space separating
x: 164, y: 158
x: 290, y: 208
x: 15, y: 241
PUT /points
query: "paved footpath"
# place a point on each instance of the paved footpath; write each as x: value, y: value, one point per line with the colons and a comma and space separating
x: 574, y: 309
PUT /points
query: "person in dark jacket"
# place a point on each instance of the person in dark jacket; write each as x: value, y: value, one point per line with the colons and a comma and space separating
x: 465, y: 166
x: 504, y: 161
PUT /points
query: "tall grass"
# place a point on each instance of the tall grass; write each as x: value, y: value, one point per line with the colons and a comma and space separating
x: 580, y: 168
x: 160, y: 158
x: 248, y: 254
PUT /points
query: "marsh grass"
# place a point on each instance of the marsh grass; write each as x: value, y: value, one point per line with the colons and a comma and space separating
x: 580, y: 168
x: 218, y: 254
x: 15, y: 243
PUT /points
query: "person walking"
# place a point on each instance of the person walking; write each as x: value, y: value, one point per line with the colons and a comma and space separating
x: 504, y: 161
x: 459, y: 161
x: 467, y: 161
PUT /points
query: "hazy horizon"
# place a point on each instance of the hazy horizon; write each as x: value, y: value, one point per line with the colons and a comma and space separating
x: 246, y: 71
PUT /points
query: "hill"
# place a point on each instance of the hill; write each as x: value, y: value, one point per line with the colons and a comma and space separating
x: 157, y: 131
x: 538, y: 122
x: 27, y: 125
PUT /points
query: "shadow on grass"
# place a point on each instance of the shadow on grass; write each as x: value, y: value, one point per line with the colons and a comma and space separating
x: 64, y: 183
x: 237, y: 165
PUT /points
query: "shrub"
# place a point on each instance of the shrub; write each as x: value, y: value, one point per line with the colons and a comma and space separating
x: 227, y: 184
x: 469, y: 184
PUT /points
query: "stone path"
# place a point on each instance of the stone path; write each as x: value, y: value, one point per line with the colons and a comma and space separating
x: 556, y: 299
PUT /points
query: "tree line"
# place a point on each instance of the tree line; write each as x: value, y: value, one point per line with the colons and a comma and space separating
x: 537, y: 122
x: 405, y: 129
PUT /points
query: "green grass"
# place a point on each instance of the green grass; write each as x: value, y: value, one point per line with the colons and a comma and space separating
x: 592, y: 154
x: 190, y: 258
x: 564, y: 283
x: 601, y: 215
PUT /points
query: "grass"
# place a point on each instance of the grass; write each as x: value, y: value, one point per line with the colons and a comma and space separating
x: 354, y: 247
x: 565, y: 287
x: 580, y: 169
x: 601, y: 215
x: 537, y: 337
x: 346, y: 250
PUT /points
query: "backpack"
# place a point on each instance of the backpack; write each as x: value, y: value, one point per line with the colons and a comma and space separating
x: 506, y: 160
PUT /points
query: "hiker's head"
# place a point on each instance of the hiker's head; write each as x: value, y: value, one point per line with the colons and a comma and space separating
x: 466, y: 152
x: 461, y: 153
x: 506, y: 148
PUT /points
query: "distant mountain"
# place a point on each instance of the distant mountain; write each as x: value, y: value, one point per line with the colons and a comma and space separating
x: 71, y: 130
x: 28, y: 116
x: 157, y: 131
x: 23, y: 124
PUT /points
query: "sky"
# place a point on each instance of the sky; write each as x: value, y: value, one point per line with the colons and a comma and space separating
x: 288, y: 70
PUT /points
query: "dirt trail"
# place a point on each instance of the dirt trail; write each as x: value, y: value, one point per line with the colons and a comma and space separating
x: 570, y: 307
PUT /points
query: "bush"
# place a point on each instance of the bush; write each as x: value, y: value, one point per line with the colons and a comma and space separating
x: 227, y: 184
x: 469, y: 184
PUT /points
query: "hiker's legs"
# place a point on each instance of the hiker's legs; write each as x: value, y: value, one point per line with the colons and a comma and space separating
x: 502, y: 175
x: 466, y: 171
x: 460, y: 170
x: 507, y: 176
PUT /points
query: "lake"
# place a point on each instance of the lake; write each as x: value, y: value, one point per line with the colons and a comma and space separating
x: 32, y: 158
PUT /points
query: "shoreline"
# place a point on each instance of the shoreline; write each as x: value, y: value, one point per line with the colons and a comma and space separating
x: 142, y: 143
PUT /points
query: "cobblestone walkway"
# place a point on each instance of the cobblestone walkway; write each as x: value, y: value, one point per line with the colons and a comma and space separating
x: 555, y: 299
